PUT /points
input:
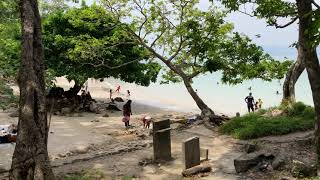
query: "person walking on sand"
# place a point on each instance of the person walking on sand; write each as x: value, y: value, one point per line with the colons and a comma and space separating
x: 118, y: 89
x: 250, y: 102
x: 127, y: 113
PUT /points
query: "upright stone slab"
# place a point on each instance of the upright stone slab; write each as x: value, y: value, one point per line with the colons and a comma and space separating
x: 191, y: 152
x: 161, y: 140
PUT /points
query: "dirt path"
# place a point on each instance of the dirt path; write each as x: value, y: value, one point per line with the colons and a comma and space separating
x: 222, y: 151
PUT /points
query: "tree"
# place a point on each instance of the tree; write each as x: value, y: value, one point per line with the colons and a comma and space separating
x: 274, y: 11
x: 30, y: 159
x: 87, y: 42
x: 190, y: 42
x: 307, y: 13
x: 307, y: 47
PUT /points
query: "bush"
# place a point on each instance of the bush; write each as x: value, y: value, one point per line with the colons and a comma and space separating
x: 299, y: 118
x: 7, y: 96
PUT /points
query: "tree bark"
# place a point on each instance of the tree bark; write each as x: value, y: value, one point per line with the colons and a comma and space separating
x: 311, y: 60
x: 291, y: 78
x: 205, y: 110
x: 30, y: 159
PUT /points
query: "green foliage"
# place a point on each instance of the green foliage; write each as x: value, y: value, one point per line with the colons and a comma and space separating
x: 299, y: 118
x: 298, y: 108
x: 88, y: 43
x: 270, y: 10
x: 7, y: 96
x: 191, y: 41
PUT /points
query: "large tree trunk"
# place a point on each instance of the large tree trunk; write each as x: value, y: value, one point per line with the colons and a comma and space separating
x: 310, y: 58
x: 30, y: 159
x: 205, y: 110
x: 291, y: 78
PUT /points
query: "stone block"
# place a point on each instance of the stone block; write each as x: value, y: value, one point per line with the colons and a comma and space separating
x: 191, y: 152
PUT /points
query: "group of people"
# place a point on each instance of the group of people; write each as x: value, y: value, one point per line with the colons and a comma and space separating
x: 252, y: 104
x: 118, y: 91
x: 127, y: 113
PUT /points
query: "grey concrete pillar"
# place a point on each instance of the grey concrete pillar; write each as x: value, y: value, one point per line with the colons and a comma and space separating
x: 191, y: 152
x: 161, y: 140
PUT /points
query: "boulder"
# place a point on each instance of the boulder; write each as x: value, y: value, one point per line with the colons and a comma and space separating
x: 113, y: 107
x: 301, y: 169
x: 249, y: 147
x: 118, y: 99
x: 65, y: 110
x: 278, y: 162
x: 106, y: 115
x: 14, y: 114
x: 247, y: 161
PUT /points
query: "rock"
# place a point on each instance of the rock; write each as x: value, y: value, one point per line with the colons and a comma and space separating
x: 300, y: 169
x: 96, y: 120
x: 65, y: 110
x: 249, y: 148
x: 247, y: 161
x: 118, y: 99
x: 14, y: 114
x: 105, y: 115
x: 93, y: 107
x: 113, y: 107
x: 196, y: 170
x: 237, y: 114
x: 285, y: 178
x: 81, y: 150
x: 278, y: 162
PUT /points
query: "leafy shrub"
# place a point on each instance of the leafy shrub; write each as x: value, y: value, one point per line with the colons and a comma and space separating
x: 299, y: 118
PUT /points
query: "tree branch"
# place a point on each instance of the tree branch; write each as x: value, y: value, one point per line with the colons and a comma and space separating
x: 315, y: 4
x: 286, y: 25
x: 157, y: 38
x: 111, y: 67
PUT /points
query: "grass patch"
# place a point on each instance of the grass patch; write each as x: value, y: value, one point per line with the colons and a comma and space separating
x: 296, y: 117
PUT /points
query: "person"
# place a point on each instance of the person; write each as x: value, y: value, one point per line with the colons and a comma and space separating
x: 250, y: 102
x: 260, y: 103
x: 118, y: 89
x: 129, y: 94
x: 146, y: 121
x: 256, y: 106
x: 110, y: 94
x: 127, y: 113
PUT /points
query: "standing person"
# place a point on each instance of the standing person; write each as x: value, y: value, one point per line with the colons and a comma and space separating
x: 129, y: 94
x: 260, y: 103
x: 127, y: 113
x: 118, y: 89
x: 250, y: 102
x: 110, y: 94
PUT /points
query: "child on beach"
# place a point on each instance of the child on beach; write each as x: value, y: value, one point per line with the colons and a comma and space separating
x: 260, y: 103
x: 146, y: 121
x: 118, y: 89
x: 127, y: 113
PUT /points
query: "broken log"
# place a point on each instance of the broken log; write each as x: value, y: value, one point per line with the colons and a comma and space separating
x: 196, y: 170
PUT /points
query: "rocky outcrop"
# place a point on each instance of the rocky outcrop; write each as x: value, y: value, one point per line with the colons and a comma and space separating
x: 301, y: 169
x: 118, y: 99
x: 247, y: 161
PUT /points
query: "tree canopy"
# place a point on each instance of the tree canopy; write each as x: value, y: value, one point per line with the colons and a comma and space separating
x: 190, y: 41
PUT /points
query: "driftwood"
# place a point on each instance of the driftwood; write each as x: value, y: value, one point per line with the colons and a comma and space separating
x: 196, y: 170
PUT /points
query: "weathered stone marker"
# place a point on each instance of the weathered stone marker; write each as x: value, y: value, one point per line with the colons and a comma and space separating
x: 204, y: 154
x: 191, y: 152
x: 161, y: 140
